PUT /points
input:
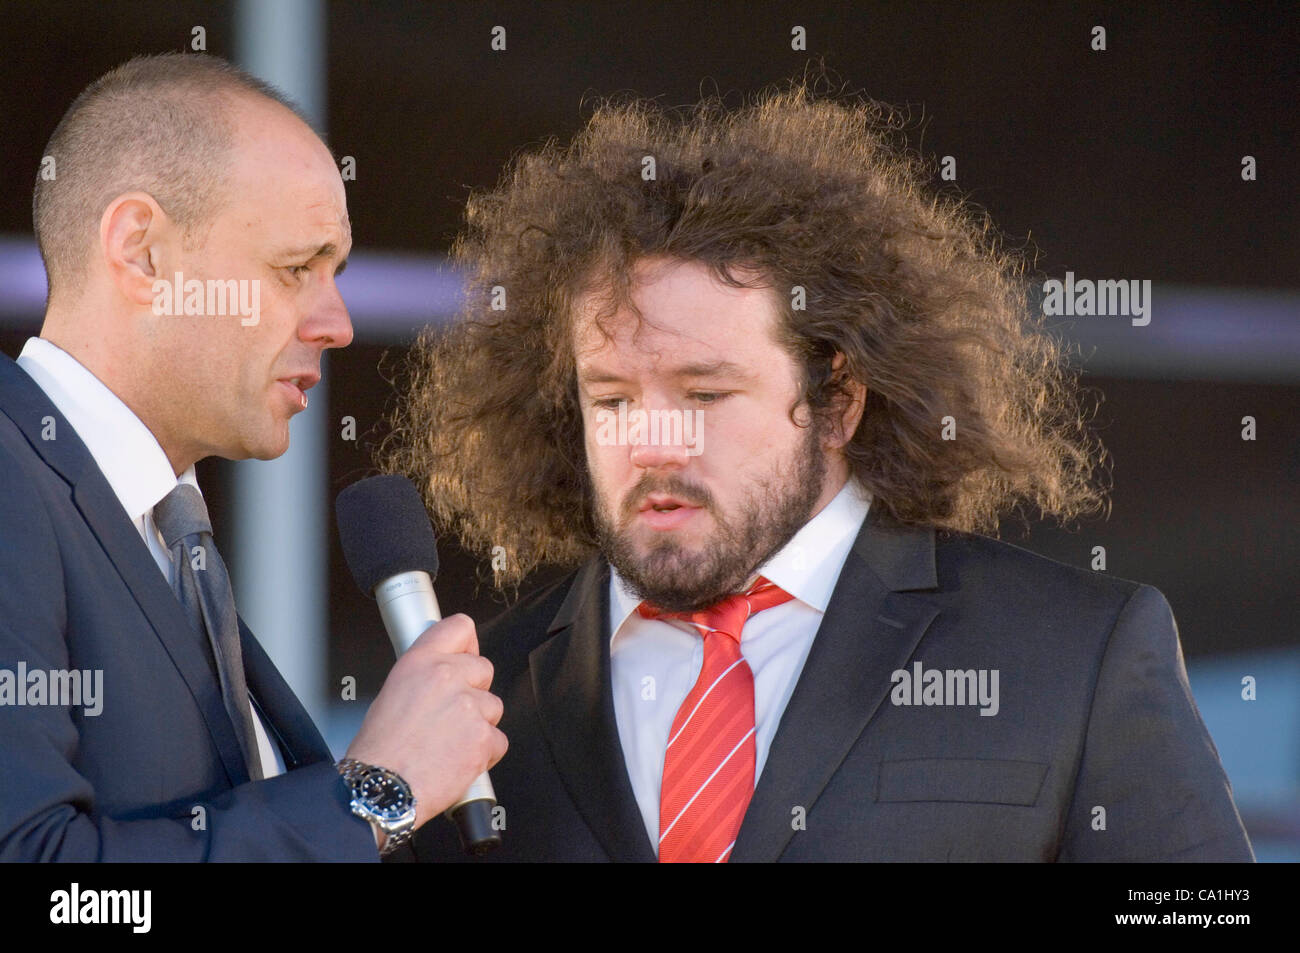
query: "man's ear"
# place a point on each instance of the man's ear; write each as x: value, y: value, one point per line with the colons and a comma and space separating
x: 847, y: 405
x: 138, y: 243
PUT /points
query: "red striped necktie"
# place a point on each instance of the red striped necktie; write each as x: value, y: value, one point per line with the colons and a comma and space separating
x: 709, y: 765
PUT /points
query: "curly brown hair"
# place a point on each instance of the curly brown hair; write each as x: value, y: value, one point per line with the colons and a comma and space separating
x: 909, y: 284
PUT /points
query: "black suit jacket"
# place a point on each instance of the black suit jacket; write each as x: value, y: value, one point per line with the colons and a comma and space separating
x: 80, y: 590
x: 1097, y: 751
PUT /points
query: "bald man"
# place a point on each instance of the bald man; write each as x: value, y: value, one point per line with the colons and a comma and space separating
x: 192, y: 227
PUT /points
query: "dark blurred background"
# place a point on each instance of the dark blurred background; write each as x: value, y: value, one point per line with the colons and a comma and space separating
x: 1123, y: 163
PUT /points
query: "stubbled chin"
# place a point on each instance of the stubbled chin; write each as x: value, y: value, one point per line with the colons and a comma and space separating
x: 682, y: 545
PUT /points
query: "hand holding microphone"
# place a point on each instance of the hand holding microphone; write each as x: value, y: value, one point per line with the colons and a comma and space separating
x: 433, y: 722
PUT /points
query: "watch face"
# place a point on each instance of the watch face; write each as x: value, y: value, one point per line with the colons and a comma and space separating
x: 387, y: 795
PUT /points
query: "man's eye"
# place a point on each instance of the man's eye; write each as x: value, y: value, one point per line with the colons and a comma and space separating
x: 610, y: 403
x: 297, y: 270
x: 709, y: 397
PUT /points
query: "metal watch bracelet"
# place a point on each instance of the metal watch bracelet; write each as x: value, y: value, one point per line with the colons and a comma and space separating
x: 397, y: 831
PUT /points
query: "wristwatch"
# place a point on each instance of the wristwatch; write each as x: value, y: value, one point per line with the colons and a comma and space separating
x: 381, y: 797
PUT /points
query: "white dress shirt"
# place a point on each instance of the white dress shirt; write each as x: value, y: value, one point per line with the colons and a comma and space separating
x: 654, y: 663
x: 130, y: 458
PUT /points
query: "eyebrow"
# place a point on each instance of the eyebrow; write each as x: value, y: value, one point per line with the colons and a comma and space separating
x: 698, y: 369
x: 312, y: 252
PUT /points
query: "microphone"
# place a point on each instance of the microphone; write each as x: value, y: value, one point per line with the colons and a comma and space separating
x: 390, y: 548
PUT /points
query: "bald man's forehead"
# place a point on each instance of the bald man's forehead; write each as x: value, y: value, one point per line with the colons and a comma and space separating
x: 276, y: 150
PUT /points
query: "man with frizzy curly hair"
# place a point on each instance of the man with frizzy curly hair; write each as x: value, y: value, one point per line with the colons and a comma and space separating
x: 765, y: 393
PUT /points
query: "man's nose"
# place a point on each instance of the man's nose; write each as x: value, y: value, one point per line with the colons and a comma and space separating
x: 327, y: 323
x: 658, y: 456
x: 659, y: 443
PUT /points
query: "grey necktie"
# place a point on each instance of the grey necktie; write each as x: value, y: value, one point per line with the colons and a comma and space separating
x: 203, y: 588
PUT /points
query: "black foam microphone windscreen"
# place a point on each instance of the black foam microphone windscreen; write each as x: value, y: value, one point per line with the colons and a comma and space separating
x: 384, y: 530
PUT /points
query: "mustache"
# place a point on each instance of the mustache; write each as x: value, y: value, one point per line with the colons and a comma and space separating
x: 690, y: 493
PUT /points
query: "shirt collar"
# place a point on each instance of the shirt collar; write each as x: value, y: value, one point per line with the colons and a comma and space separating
x: 125, y: 450
x: 807, y: 567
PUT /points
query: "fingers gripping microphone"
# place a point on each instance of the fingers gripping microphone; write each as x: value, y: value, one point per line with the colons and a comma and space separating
x: 391, y: 550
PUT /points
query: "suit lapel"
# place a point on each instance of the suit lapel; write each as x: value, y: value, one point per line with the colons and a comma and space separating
x: 286, y: 720
x: 22, y: 400
x: 871, y: 628
x: 571, y: 682
x: 844, y: 681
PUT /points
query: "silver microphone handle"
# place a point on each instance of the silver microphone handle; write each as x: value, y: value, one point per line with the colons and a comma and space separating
x: 408, y: 607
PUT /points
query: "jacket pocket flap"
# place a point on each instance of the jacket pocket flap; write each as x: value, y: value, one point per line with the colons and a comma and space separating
x: 961, y: 779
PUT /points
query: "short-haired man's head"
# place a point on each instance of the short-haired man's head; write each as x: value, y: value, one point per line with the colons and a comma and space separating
x: 156, y: 124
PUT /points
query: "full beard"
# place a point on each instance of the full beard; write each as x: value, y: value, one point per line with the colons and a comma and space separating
x: 676, y: 579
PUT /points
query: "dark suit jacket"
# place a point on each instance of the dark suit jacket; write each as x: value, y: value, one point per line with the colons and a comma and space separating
x: 1095, y: 713
x: 80, y: 590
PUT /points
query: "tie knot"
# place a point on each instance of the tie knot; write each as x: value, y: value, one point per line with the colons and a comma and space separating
x: 181, y: 513
x: 729, y: 615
